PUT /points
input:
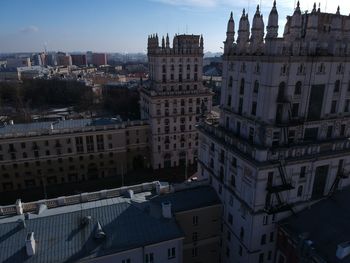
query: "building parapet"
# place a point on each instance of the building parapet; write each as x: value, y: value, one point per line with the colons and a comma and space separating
x: 76, y: 199
x: 48, y: 128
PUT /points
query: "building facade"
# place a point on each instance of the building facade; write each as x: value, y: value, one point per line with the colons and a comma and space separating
x: 282, y: 140
x: 174, y: 99
x: 49, y: 153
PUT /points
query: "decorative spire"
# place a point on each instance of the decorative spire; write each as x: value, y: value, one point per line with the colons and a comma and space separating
x: 338, y: 10
x: 319, y: 8
x: 167, y: 41
x: 297, y: 9
x: 201, y: 42
x: 163, y: 42
x: 257, y: 13
x: 314, y: 9
x: 243, y: 13
x: 231, y: 15
x: 272, y: 25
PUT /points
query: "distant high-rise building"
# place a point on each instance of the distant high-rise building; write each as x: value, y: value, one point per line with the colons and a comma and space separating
x: 63, y: 59
x: 79, y: 59
x: 174, y: 99
x: 99, y: 59
x: 17, y: 62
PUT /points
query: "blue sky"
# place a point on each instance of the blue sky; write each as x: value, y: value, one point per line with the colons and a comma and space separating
x: 123, y: 25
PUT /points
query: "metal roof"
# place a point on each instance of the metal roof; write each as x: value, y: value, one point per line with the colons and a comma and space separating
x: 325, y: 223
x: 60, y: 236
x: 189, y: 199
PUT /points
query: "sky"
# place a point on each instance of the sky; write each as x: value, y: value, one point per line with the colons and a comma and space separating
x: 123, y: 25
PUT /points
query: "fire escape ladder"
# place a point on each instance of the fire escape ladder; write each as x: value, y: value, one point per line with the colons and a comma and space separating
x: 340, y: 175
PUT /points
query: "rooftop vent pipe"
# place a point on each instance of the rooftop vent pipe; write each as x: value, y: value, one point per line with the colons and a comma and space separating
x: 30, y: 244
x: 166, y: 210
x: 99, y: 234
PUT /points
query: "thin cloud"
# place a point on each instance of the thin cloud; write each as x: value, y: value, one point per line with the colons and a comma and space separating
x: 29, y: 29
x: 237, y: 5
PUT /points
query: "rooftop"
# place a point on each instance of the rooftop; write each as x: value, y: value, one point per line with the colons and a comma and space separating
x: 65, y: 228
x: 325, y: 223
x: 62, y: 126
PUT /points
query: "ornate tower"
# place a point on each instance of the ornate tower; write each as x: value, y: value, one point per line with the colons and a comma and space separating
x: 173, y: 97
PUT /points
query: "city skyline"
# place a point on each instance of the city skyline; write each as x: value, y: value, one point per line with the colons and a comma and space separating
x: 111, y: 26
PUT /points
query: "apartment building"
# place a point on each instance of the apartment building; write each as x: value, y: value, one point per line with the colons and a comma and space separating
x: 282, y: 140
x: 50, y: 153
x: 174, y: 99
x: 134, y: 224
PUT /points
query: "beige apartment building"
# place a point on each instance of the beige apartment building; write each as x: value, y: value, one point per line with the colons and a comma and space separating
x: 174, y: 99
x: 70, y: 151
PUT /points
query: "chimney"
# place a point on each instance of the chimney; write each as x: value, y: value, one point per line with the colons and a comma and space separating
x: 99, y: 234
x: 19, y: 207
x: 343, y: 250
x: 166, y: 210
x: 130, y: 194
x: 30, y: 244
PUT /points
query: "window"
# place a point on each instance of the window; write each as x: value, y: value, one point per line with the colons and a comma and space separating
x: 272, y: 234
x: 265, y: 220
x: 261, y: 257
x: 297, y: 89
x: 228, y: 235
x: 171, y: 253
x: 240, y: 251
x: 194, y: 236
x: 229, y: 98
x: 254, y: 105
x: 126, y: 260
x: 230, y: 82
x: 194, y: 252
x: 302, y: 172
x: 334, y: 106
x: 230, y: 218
x: 149, y: 258
x: 256, y: 87
x: 251, y: 134
x: 295, y: 110
x: 195, y: 220
x: 240, y: 106
x: 241, y: 233
x: 269, y: 255
x: 346, y: 105
x: 336, y: 86
x: 342, y: 130
x: 263, y: 239
x: 241, y: 89
x: 329, y: 132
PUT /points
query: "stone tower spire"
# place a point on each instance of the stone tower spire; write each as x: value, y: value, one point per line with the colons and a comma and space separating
x: 230, y: 34
x: 257, y: 37
x: 167, y: 41
x: 295, y: 27
x: 272, y: 25
x: 243, y: 32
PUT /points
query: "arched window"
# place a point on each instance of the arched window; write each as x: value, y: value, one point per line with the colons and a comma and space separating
x: 230, y: 82
x: 297, y: 90
x: 241, y: 89
x: 256, y: 87
x: 300, y: 190
x: 337, y: 86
